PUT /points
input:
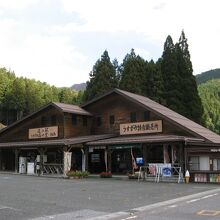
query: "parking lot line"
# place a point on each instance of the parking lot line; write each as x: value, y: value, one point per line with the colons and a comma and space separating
x: 208, y: 212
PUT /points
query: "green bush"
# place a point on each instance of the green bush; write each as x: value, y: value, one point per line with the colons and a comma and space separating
x: 78, y: 174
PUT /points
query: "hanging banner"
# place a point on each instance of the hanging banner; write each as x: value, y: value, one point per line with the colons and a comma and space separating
x: 67, y: 162
x: 145, y: 127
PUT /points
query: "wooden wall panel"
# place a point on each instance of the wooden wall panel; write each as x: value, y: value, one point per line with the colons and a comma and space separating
x: 71, y: 130
x: 121, y: 108
x: 19, y: 132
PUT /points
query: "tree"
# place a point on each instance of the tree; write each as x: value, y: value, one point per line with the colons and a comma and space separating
x: 171, y: 79
x: 132, y: 73
x: 102, y: 78
x: 15, y: 97
x: 190, y: 98
x: 153, y: 81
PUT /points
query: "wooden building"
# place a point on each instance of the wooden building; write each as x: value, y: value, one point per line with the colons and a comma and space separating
x: 108, y: 133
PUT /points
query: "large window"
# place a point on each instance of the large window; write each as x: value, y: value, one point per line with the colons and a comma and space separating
x: 43, y: 121
x: 85, y: 121
x: 111, y: 119
x: 146, y: 116
x: 216, y: 164
x: 53, y: 120
x: 74, y: 119
x: 98, y: 121
x: 133, y: 117
x: 199, y: 163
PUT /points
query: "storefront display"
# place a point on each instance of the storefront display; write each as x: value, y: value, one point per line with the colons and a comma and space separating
x: 200, y: 178
x: 214, y: 178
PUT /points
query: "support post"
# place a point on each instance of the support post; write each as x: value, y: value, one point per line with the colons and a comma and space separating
x: 83, y: 159
x: 87, y: 159
x: 16, y: 160
x: 41, y: 164
x: 109, y: 154
x: 145, y: 147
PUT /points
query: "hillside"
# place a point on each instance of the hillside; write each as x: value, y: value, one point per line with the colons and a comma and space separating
x: 79, y: 87
x: 210, y: 96
x: 208, y: 75
x: 21, y: 96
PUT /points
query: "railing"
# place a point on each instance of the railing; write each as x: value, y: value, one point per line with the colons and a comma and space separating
x: 160, y: 172
x: 52, y: 168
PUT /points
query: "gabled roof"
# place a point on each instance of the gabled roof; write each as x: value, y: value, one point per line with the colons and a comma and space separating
x: 166, y: 113
x: 60, y: 106
x: 71, y: 108
x: 57, y: 142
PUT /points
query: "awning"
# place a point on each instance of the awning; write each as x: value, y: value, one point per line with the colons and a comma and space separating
x: 57, y: 142
x: 143, y: 139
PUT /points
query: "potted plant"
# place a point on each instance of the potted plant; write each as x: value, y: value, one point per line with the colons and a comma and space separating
x: 132, y: 175
x: 107, y: 174
x: 77, y: 174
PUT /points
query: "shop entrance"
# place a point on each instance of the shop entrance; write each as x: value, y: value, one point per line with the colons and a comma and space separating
x: 76, y: 161
x: 155, y: 154
x: 96, y: 161
x: 122, y: 159
x: 7, y: 160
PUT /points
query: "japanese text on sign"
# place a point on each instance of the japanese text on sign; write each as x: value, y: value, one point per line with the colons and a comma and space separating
x: 47, y: 132
x: 141, y: 127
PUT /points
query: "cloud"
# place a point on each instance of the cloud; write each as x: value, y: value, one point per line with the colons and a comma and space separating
x: 58, y: 41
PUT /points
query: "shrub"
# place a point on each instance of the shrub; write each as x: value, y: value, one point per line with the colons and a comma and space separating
x: 105, y: 174
x: 77, y: 174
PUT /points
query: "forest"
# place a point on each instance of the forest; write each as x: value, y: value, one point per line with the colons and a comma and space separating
x: 169, y: 81
x: 210, y: 95
x: 21, y: 96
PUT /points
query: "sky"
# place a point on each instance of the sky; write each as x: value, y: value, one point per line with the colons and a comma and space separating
x: 59, y: 41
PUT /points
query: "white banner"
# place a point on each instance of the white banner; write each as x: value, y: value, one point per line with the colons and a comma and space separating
x: 67, y: 162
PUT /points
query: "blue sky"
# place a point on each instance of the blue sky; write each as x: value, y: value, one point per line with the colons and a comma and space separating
x: 58, y: 41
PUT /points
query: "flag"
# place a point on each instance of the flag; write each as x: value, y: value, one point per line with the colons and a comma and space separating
x: 134, y: 165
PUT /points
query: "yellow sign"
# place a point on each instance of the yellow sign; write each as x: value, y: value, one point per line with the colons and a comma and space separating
x: 47, y: 132
x: 141, y: 127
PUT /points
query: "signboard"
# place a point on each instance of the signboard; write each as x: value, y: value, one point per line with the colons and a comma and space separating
x: 141, y: 127
x: 139, y: 161
x: 47, y: 132
x: 162, y: 169
x: 166, y: 172
x: 215, y: 150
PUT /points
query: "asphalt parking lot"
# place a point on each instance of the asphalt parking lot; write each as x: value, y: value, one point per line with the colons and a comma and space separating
x: 28, y: 197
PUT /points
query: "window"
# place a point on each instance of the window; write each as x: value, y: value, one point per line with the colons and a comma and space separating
x: 146, y: 116
x: 216, y: 164
x: 111, y: 119
x: 85, y: 121
x: 204, y: 163
x: 133, y: 117
x: 74, y: 119
x: 43, y: 121
x: 53, y: 120
x: 98, y: 121
x: 199, y: 163
x: 194, y: 163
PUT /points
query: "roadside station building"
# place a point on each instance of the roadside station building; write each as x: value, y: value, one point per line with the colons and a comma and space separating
x: 108, y: 134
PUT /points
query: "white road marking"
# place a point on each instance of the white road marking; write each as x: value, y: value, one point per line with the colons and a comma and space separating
x: 172, y: 206
x: 7, y: 207
x: 131, y: 217
x: 201, y: 198
x: 174, y: 201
